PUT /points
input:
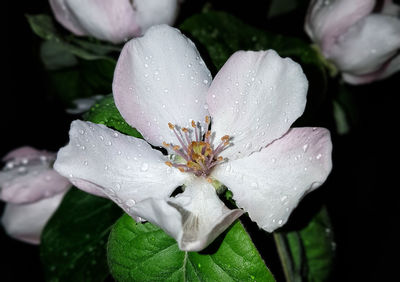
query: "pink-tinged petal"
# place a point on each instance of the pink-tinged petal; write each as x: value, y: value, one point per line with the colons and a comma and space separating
x: 28, y: 177
x: 25, y: 222
x: 327, y: 20
x: 27, y: 153
x: 194, y: 218
x: 387, y: 70
x: 66, y: 17
x: 154, y: 12
x: 161, y: 78
x: 125, y: 168
x: 113, y: 21
x: 254, y: 99
x: 367, y: 45
x: 269, y: 184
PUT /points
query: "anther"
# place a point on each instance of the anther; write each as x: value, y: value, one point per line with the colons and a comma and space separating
x: 168, y: 164
x: 181, y: 169
x: 165, y: 144
x: 176, y: 148
x: 225, y: 138
x: 171, y: 126
x: 184, y: 129
x: 193, y: 124
x: 207, y: 119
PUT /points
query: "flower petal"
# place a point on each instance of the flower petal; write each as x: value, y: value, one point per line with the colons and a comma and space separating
x: 106, y: 20
x: 125, y: 168
x: 66, y: 17
x: 25, y: 222
x: 28, y: 176
x: 254, y: 99
x: 387, y: 70
x: 194, y: 218
x: 153, y: 12
x: 327, y: 20
x: 367, y: 45
x: 269, y: 184
x: 160, y: 78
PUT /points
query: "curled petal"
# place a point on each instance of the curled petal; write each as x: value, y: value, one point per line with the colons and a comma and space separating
x: 25, y: 222
x: 28, y: 176
x: 194, y: 218
x: 389, y: 68
x: 327, y: 20
x: 124, y: 168
x: 366, y: 46
x: 66, y: 17
x: 254, y: 99
x: 160, y: 78
x: 269, y: 184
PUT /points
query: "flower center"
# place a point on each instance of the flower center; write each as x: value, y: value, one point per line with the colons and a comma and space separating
x: 196, y: 150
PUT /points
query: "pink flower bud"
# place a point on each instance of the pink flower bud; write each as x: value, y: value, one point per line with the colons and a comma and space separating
x: 115, y: 21
x: 361, y: 37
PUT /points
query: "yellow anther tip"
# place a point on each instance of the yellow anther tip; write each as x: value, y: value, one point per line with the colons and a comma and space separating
x: 171, y: 126
x: 193, y: 124
x: 168, y: 164
x: 176, y: 148
x: 225, y: 138
x: 207, y: 119
x: 165, y: 144
x: 220, y: 158
x: 184, y: 129
x: 181, y: 169
x: 209, y: 180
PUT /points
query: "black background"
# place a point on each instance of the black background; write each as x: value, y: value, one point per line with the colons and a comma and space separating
x: 361, y: 191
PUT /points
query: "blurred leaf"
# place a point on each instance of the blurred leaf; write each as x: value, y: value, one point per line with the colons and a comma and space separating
x: 308, y: 254
x: 55, y: 56
x: 86, y: 79
x: 143, y: 252
x: 105, y: 112
x: 345, y: 110
x: 43, y: 26
x: 73, y: 246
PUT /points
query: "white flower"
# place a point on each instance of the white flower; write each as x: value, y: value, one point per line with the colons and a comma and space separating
x: 32, y: 191
x: 361, y: 37
x: 163, y: 88
x: 113, y: 20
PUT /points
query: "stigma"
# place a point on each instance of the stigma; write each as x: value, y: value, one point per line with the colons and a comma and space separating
x: 196, y: 148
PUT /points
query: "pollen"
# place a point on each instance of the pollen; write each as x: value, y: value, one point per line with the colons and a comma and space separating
x: 196, y: 149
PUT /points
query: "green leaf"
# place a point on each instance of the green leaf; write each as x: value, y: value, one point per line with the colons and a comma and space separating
x: 55, y: 56
x: 43, y: 26
x: 308, y: 254
x: 105, y: 112
x: 73, y: 243
x: 143, y: 252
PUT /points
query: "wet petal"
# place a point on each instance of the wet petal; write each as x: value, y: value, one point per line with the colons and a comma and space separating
x: 194, y: 218
x: 254, y: 99
x: 269, y: 184
x: 366, y: 46
x: 160, y: 78
x: 25, y: 222
x: 125, y: 168
x: 66, y: 17
x: 28, y: 176
x: 327, y: 20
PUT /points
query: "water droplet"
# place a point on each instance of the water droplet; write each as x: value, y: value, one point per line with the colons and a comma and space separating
x: 81, y: 132
x: 101, y: 137
x: 283, y: 198
x: 280, y: 222
x: 213, y: 95
x: 205, y: 106
x: 24, y: 161
x: 144, y: 167
x: 205, y: 81
x: 85, y: 163
x: 146, y: 65
x: 318, y: 156
x: 254, y: 185
x: 106, y: 167
x: 189, y: 65
x: 83, y: 148
x: 305, y: 147
x: 115, y: 135
x: 130, y: 203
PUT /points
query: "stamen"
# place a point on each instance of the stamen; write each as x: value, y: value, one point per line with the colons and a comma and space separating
x: 200, y: 156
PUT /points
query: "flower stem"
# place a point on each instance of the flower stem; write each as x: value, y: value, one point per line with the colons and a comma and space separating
x: 285, y: 257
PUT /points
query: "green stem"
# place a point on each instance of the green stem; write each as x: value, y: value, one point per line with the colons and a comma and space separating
x: 285, y: 256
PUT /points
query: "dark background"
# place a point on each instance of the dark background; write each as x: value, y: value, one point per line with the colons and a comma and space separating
x: 361, y: 191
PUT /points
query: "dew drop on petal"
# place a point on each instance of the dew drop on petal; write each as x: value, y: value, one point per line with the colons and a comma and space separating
x: 130, y: 203
x: 318, y: 156
x: 144, y: 167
